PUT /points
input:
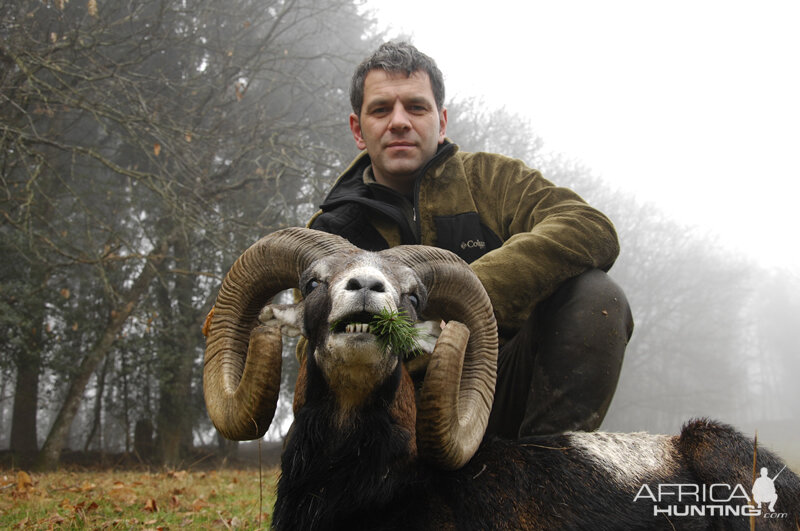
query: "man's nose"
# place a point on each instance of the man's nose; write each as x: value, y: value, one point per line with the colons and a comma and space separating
x: 399, y: 118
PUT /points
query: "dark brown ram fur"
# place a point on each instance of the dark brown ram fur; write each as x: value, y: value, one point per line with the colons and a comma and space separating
x: 367, y: 475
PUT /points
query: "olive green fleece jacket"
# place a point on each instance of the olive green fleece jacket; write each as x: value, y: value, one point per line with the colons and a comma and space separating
x: 522, y: 235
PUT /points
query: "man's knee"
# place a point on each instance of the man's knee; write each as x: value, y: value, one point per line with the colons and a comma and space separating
x: 560, y: 372
x: 593, y: 294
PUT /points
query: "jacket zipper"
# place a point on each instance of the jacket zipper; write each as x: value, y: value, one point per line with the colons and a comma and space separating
x: 447, y: 148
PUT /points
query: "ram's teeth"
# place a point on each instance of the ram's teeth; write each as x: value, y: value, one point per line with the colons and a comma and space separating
x: 357, y: 328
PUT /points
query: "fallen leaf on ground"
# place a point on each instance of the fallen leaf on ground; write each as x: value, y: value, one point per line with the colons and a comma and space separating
x: 150, y: 505
x: 123, y: 494
x: 24, y: 482
x: 199, y: 504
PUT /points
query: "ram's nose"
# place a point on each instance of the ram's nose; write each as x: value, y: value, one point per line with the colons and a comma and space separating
x: 365, y: 283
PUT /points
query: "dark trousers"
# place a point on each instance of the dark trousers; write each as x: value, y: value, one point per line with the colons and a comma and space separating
x: 560, y: 371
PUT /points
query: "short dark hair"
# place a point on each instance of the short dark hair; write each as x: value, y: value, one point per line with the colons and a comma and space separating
x: 396, y: 57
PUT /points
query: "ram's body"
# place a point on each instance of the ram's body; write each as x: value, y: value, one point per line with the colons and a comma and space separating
x: 571, y: 481
x: 369, y: 449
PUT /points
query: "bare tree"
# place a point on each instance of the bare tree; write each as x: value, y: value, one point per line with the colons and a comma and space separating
x: 145, y: 144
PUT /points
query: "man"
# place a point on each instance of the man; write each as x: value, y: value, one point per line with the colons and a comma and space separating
x: 539, y: 250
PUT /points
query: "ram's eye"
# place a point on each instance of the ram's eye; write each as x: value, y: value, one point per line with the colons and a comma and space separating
x: 414, y: 300
x: 311, y: 285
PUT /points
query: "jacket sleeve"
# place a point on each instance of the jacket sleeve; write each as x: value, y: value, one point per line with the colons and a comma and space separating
x: 550, y: 235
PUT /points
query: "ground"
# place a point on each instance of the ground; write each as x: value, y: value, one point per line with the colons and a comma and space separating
x: 209, y: 493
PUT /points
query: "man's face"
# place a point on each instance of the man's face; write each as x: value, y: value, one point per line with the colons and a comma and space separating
x: 399, y: 126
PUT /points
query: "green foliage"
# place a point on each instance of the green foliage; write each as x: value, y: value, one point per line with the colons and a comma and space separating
x: 395, y: 332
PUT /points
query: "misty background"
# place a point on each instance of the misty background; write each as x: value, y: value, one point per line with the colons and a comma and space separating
x: 145, y: 144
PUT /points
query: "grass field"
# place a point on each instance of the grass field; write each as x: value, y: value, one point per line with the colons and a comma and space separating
x: 222, y: 499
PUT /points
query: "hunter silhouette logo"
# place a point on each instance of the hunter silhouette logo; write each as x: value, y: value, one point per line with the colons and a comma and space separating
x: 764, y: 489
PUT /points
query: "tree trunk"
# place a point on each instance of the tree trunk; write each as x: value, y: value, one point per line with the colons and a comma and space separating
x: 98, y: 409
x: 51, y: 450
x: 23, y: 442
x: 126, y: 416
x: 143, y: 440
x: 180, y: 337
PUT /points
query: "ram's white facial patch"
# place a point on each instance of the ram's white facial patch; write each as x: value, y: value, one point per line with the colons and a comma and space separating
x: 630, y: 458
x: 321, y: 269
x: 378, y: 293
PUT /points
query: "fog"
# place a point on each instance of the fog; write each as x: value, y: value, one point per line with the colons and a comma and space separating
x: 146, y: 145
x: 679, y: 121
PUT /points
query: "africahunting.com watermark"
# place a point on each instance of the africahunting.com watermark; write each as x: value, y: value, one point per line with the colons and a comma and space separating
x: 718, y: 499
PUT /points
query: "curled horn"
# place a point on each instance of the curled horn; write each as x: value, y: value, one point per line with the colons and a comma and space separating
x: 458, y: 388
x: 242, y: 370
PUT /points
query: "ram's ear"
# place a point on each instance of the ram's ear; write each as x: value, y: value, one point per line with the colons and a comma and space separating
x: 288, y: 316
x: 427, y: 334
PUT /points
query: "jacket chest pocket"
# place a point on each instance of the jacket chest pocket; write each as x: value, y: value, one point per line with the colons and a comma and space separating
x: 465, y: 235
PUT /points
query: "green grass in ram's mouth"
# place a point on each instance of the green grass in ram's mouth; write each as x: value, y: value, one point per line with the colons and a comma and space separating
x: 396, y: 332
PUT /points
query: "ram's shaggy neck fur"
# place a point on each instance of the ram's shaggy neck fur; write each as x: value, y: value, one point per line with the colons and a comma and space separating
x: 332, y: 467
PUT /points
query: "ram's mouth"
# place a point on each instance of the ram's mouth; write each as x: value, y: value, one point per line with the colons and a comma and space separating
x: 357, y: 323
x: 390, y: 329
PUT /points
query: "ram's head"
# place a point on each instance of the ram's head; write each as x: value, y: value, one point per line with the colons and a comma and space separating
x: 344, y: 288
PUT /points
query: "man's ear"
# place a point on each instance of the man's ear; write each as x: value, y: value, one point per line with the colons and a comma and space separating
x: 355, y: 127
x: 288, y: 316
x: 442, y: 124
